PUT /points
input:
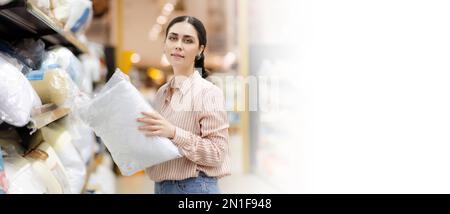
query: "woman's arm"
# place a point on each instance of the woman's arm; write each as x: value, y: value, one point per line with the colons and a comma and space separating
x: 209, y: 148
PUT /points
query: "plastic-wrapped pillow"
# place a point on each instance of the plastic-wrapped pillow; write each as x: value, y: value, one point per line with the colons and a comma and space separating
x: 21, y: 177
x: 112, y: 115
x: 59, y: 137
x: 31, y: 52
x: 91, y: 67
x: 83, y: 138
x: 17, y: 97
x: 64, y: 59
x: 52, y: 86
x: 80, y: 16
x: 15, y: 61
x: 43, y: 5
x: 61, y: 10
x: 51, y: 161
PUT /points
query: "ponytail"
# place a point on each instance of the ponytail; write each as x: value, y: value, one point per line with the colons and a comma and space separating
x: 200, y: 65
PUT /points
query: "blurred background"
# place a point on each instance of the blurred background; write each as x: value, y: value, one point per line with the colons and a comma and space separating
x: 250, y: 55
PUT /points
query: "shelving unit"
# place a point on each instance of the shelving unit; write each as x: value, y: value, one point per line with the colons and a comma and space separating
x: 46, y: 115
x: 21, y: 19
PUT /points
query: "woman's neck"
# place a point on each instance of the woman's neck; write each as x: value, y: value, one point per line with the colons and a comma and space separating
x: 183, y: 71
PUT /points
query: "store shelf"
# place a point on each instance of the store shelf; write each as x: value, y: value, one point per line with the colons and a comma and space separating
x: 21, y: 19
x: 46, y: 115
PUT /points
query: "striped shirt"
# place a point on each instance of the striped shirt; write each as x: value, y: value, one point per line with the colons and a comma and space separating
x: 197, y: 108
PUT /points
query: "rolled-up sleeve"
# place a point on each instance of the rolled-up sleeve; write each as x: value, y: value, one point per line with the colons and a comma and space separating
x: 208, y: 149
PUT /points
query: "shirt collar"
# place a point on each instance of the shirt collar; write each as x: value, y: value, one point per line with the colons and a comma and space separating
x: 183, y: 87
x: 182, y: 83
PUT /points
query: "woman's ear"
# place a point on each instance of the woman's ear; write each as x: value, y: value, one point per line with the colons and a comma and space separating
x: 202, y: 48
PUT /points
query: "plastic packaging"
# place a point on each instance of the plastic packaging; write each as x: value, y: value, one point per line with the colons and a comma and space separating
x: 83, y: 137
x: 31, y: 51
x: 20, y: 175
x: 61, y: 140
x: 55, y: 86
x: 17, y: 97
x: 52, y: 86
x: 112, y: 115
x: 61, y: 10
x: 15, y: 62
x: 80, y: 16
x: 47, y: 156
x: 91, y: 67
x: 43, y: 5
x: 96, y: 52
x: 63, y: 58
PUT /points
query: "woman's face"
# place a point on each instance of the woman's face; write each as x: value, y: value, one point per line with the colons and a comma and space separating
x: 182, y: 45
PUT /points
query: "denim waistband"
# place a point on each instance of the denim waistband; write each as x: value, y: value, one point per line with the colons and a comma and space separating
x: 201, y: 175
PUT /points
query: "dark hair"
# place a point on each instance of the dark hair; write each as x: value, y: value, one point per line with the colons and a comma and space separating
x: 201, y: 34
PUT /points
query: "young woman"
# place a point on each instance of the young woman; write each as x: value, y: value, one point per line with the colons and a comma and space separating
x: 191, y: 114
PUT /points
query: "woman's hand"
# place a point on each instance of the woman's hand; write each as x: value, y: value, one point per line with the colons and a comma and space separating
x: 156, y: 125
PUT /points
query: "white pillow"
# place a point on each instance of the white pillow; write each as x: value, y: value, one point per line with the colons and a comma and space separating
x: 17, y: 97
x: 21, y: 177
x: 83, y: 138
x: 53, y: 163
x: 61, y: 10
x: 52, y: 86
x: 63, y: 58
x: 80, y: 16
x: 43, y: 5
x: 60, y: 139
x: 112, y: 115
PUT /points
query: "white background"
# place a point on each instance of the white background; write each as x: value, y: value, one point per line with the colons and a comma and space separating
x: 373, y: 94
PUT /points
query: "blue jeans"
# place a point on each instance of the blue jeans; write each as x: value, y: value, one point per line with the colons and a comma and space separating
x: 198, y: 185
